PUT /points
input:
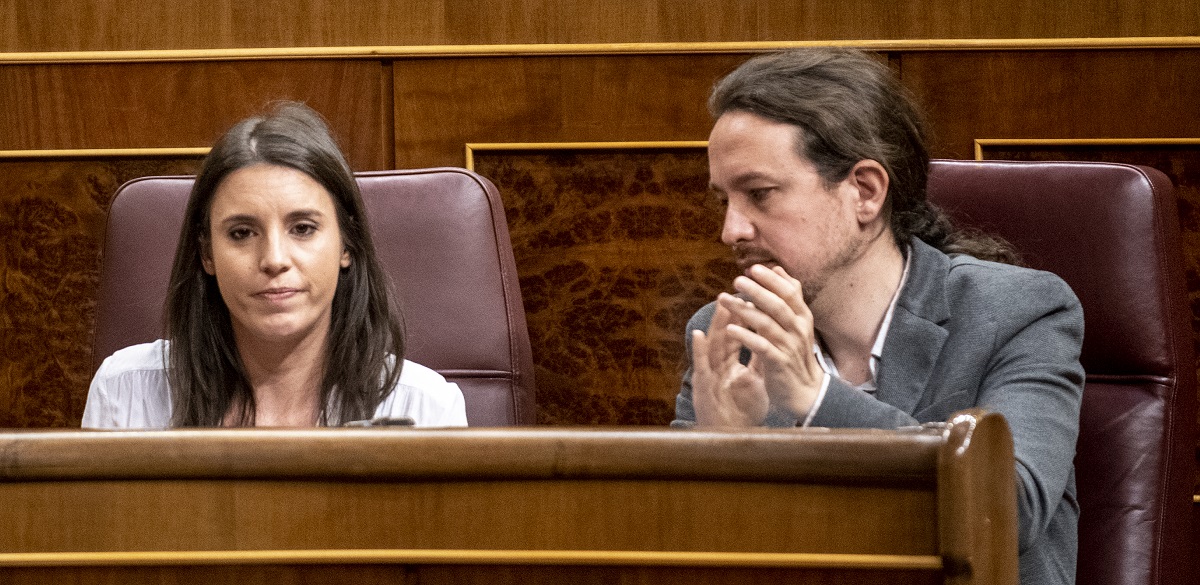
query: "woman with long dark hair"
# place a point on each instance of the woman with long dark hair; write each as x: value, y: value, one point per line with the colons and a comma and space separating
x: 278, y: 313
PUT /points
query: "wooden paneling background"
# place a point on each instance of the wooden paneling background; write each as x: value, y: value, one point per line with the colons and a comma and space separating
x: 97, y: 25
x: 565, y: 98
x: 615, y: 248
x: 52, y: 215
x: 187, y: 104
x: 1055, y: 94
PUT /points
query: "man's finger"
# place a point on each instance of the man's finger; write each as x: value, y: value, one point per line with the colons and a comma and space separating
x: 747, y: 315
x: 700, y: 350
x: 784, y: 301
x: 778, y: 282
x: 719, y: 342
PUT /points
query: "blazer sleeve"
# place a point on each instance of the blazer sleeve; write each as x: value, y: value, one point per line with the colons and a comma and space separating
x: 685, y: 411
x: 1035, y: 380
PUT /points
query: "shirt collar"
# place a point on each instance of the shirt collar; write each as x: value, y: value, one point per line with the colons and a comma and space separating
x: 877, y: 348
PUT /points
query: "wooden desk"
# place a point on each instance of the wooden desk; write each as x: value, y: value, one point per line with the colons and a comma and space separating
x: 519, y: 505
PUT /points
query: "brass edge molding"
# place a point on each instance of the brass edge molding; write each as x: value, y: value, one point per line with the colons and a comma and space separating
x: 476, y: 557
x: 980, y: 143
x: 472, y: 147
x: 561, y: 49
x: 101, y: 153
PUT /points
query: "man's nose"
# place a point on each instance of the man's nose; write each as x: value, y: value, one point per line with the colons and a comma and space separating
x: 737, y: 227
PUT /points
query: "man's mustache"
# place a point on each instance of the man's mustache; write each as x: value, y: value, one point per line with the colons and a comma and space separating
x: 748, y: 255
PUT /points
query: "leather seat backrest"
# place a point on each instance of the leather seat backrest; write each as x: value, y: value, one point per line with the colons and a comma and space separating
x: 1111, y: 231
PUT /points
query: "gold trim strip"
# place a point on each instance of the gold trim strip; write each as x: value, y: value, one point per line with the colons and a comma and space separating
x: 1196, y: 499
x: 982, y: 142
x: 586, y: 145
x: 471, y: 147
x: 476, y: 557
x: 551, y: 49
x: 101, y: 153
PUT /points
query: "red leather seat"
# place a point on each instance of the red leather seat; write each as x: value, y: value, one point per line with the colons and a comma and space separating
x: 1111, y: 231
x: 440, y: 235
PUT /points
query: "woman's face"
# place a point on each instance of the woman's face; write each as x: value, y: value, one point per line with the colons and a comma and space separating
x: 276, y: 250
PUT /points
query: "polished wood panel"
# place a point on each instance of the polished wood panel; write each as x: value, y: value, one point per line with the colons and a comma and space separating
x: 253, y: 515
x: 851, y: 505
x: 392, y: 52
x: 869, y: 456
x: 143, y: 24
x: 1054, y: 94
x: 962, y: 537
x: 53, y: 215
x: 461, y: 575
x: 187, y: 104
x: 615, y: 249
x: 443, y: 104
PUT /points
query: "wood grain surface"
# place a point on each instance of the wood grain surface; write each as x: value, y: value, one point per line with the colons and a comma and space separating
x: 61, y: 25
x: 515, y: 505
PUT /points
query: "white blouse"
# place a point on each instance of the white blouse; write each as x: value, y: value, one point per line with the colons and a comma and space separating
x: 130, y: 391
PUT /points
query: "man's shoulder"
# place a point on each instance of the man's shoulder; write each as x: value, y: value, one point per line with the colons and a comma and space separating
x: 702, y: 317
x: 967, y: 274
x: 1003, y: 290
x: 968, y: 290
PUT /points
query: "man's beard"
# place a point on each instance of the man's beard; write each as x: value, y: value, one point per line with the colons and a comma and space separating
x: 747, y: 255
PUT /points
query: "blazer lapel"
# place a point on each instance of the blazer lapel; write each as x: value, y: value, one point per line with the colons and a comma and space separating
x: 916, y: 334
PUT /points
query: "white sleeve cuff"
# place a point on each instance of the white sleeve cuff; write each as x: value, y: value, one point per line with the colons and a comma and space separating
x: 812, y: 412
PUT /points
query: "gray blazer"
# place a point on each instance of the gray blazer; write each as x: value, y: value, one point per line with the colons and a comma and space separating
x: 967, y: 333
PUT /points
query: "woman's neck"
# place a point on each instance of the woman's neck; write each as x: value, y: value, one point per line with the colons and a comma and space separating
x: 285, y: 377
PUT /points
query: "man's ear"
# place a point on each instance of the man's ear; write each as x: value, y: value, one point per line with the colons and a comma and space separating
x: 871, y: 180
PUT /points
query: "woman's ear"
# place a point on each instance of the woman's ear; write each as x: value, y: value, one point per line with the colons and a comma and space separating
x: 206, y: 257
x: 345, y: 258
x: 871, y: 180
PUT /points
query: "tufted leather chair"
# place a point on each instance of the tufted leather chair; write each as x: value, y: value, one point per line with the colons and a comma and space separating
x: 440, y: 235
x: 1111, y: 231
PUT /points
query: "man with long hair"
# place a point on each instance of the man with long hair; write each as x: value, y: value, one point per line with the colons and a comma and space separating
x: 859, y: 304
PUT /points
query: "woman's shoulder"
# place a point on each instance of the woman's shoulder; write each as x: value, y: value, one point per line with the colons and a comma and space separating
x: 130, y: 389
x: 426, y: 396
x: 415, y: 374
x: 143, y: 357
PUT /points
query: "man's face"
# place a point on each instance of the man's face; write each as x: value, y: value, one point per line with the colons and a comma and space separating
x: 779, y: 210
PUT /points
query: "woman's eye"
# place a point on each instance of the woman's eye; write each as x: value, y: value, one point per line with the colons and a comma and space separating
x: 304, y: 229
x: 240, y: 233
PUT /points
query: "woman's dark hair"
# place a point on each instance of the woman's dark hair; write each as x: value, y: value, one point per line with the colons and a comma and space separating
x: 205, y: 371
x: 849, y: 107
